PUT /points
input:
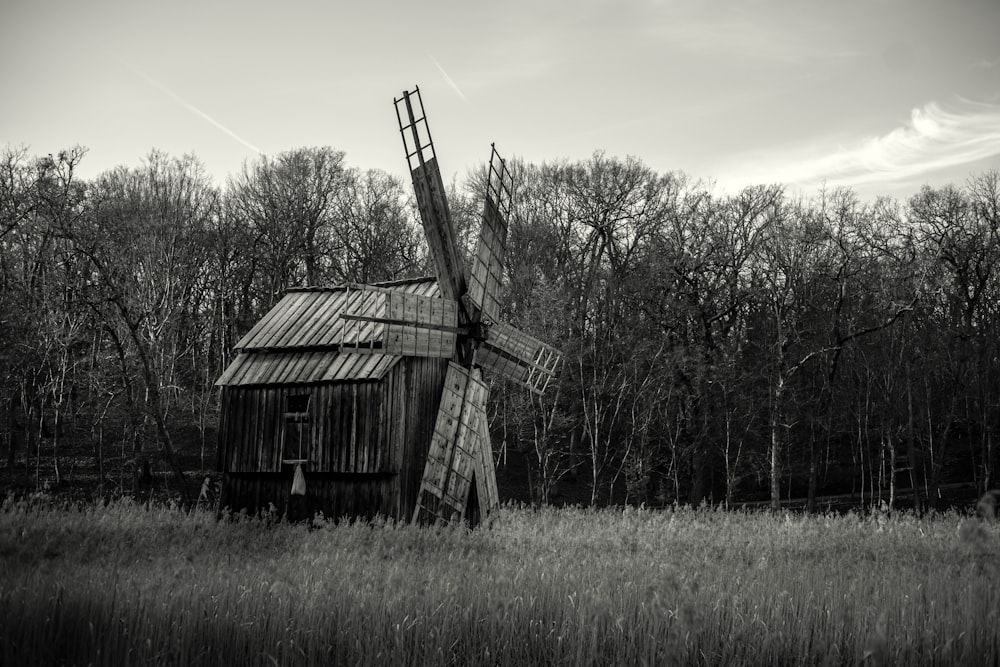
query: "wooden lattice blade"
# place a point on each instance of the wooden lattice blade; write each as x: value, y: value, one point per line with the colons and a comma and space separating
x: 487, y: 265
x: 429, y: 329
x: 517, y: 355
x: 452, y: 458
x: 407, y: 324
x: 438, y: 228
x: 486, y: 473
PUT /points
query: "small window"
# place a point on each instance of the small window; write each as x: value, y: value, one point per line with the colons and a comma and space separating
x: 297, y: 408
x: 296, y: 434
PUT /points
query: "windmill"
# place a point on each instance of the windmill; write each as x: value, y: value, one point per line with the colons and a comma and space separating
x: 462, y: 324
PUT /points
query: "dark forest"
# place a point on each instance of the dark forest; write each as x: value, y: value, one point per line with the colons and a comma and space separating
x: 721, y: 348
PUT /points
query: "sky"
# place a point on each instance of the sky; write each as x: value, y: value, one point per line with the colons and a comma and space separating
x: 879, y: 95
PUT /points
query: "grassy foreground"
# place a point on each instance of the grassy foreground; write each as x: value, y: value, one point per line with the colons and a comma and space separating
x: 123, y: 584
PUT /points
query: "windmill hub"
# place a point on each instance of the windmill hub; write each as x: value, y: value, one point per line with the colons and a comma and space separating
x: 479, y: 331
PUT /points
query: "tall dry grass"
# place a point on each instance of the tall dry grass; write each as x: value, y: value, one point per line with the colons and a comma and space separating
x: 123, y: 584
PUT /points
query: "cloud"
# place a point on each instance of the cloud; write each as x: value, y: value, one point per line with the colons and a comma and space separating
x: 933, y: 139
x: 193, y: 109
x: 174, y: 96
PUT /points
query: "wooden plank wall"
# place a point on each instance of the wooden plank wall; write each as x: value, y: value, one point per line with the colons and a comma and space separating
x: 342, y: 434
x: 357, y: 432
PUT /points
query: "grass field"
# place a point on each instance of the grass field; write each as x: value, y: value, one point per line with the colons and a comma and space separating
x: 123, y: 584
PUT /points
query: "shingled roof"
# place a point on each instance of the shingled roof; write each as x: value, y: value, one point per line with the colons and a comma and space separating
x: 303, y: 339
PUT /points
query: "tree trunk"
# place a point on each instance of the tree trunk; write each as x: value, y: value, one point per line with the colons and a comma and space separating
x: 154, y: 403
x: 987, y: 459
x: 10, y: 428
x: 594, y: 473
x: 911, y: 449
x: 697, y: 477
x: 813, y: 477
x: 777, y: 423
x: 38, y: 449
x: 57, y: 427
x: 12, y: 434
x: 891, y: 444
x: 730, y: 465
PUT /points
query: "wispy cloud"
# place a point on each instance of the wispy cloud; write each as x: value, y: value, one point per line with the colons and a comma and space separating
x: 932, y: 140
x: 448, y: 79
x: 192, y: 108
x: 175, y: 97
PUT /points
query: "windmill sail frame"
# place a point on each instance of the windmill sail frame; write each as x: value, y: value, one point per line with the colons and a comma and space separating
x: 460, y: 458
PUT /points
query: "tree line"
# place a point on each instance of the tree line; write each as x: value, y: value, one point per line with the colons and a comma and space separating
x: 718, y: 347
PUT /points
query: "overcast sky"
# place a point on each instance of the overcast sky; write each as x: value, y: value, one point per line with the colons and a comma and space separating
x: 881, y: 95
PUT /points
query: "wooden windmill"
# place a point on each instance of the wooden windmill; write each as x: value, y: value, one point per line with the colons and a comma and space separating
x: 462, y: 325
x: 368, y: 400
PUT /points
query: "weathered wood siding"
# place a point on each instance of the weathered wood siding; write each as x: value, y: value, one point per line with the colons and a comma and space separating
x: 365, y: 442
x: 341, y: 433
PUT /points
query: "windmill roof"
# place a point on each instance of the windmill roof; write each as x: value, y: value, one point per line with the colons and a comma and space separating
x: 304, y: 339
x: 305, y: 367
x: 310, y: 317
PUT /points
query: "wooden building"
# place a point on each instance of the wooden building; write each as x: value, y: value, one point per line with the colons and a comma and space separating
x: 311, y: 386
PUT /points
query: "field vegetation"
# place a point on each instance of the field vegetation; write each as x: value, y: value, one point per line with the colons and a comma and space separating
x: 125, y: 583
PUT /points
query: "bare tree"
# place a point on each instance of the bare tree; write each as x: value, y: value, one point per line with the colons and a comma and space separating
x: 288, y: 204
x: 144, y: 244
x: 373, y: 233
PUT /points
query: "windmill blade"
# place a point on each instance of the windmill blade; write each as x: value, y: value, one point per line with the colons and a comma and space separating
x: 517, y: 355
x: 420, y: 326
x: 452, y: 459
x: 413, y: 325
x: 487, y: 266
x: 438, y: 229
x: 486, y: 472
x: 429, y: 190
